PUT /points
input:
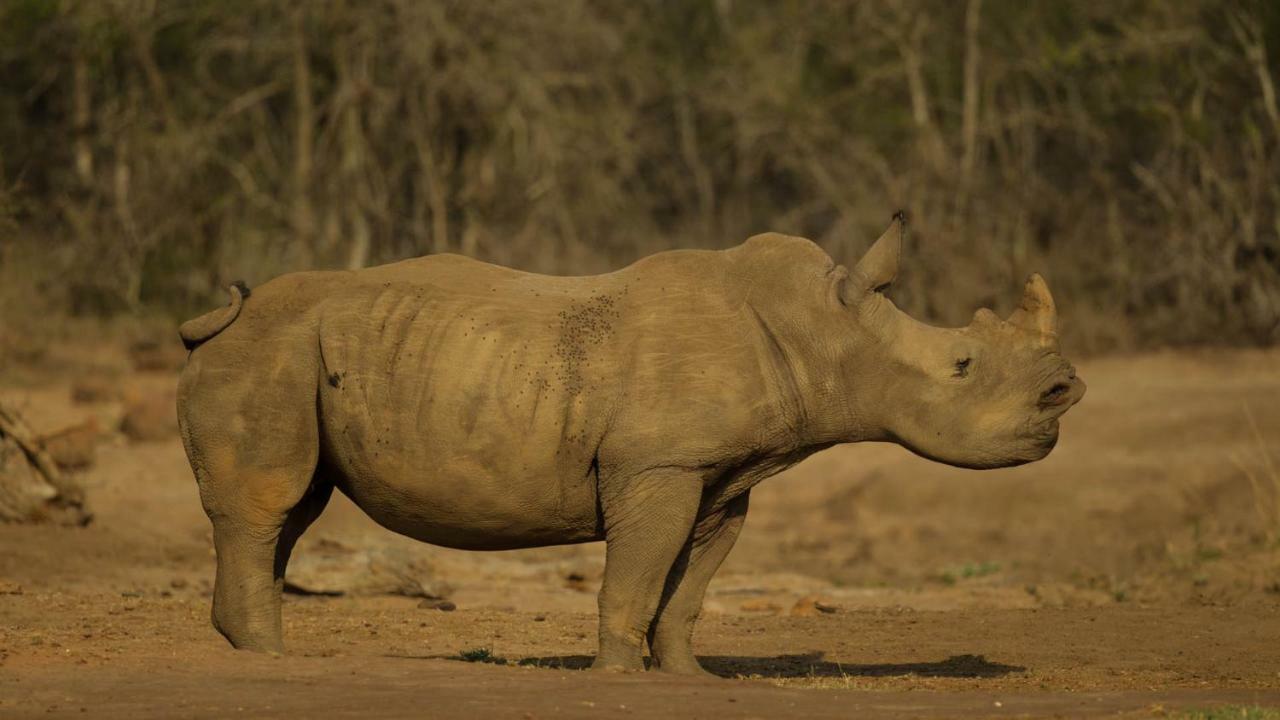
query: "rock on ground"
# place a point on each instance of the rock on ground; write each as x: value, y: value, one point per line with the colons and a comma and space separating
x: 327, y: 567
x: 151, y: 417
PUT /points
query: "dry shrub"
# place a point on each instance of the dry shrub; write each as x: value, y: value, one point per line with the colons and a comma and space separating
x: 1128, y: 149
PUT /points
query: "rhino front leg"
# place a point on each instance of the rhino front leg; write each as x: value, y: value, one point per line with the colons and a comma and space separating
x: 647, y: 519
x: 671, y: 637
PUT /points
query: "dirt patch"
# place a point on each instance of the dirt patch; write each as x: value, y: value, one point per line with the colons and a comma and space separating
x: 1134, y: 571
x: 154, y: 655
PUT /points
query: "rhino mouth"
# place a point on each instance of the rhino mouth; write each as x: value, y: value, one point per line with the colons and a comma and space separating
x: 1063, y: 392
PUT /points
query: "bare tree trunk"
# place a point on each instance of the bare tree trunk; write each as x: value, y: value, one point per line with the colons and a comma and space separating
x: 350, y: 78
x: 304, y: 223
x: 151, y: 71
x: 1255, y: 49
x: 121, y: 181
x: 972, y: 56
x: 703, y: 184
x: 470, y: 235
x: 81, y: 116
x: 429, y: 171
x: 909, y: 47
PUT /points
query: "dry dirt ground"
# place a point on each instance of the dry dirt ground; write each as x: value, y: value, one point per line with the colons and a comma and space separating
x: 1134, y: 573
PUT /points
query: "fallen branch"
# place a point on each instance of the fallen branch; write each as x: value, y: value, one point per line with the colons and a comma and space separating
x: 32, y: 488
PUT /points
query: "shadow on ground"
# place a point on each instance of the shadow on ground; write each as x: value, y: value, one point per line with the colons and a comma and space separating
x: 793, y: 666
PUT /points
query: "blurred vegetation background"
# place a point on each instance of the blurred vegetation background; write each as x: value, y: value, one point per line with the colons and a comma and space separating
x: 151, y: 151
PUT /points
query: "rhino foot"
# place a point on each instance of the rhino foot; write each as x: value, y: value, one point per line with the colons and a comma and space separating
x: 689, y: 667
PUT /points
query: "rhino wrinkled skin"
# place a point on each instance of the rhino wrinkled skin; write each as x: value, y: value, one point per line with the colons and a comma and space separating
x: 474, y: 406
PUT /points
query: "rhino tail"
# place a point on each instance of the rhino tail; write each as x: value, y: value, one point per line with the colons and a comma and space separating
x: 198, y: 330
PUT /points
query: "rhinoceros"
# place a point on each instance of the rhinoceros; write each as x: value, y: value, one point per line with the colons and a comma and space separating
x: 474, y: 406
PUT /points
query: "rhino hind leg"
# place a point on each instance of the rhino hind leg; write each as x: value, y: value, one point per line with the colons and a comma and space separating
x: 671, y: 635
x: 254, y: 447
x: 647, y: 521
x: 253, y: 551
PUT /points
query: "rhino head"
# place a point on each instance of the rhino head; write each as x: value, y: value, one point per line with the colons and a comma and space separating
x: 982, y: 396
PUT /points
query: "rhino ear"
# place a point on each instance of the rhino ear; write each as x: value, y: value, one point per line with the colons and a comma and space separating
x: 878, y: 268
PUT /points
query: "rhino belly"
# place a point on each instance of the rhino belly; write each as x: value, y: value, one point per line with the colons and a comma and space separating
x: 471, y: 512
x: 492, y: 487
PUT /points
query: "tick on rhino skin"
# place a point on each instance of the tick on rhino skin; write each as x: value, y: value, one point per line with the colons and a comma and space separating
x: 638, y: 408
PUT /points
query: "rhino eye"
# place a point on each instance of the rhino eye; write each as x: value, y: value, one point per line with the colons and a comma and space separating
x: 962, y: 367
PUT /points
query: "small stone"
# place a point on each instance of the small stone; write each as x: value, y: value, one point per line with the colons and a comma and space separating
x: 712, y: 607
x: 760, y: 605
x: 577, y: 581
x: 811, y: 606
x: 442, y: 605
x: 73, y: 448
x: 95, y: 389
x: 153, y: 417
x: 156, y: 356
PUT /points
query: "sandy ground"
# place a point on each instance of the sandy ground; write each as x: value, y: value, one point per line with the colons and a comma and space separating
x: 1134, y: 572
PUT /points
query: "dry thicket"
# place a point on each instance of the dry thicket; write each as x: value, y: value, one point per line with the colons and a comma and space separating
x: 154, y: 150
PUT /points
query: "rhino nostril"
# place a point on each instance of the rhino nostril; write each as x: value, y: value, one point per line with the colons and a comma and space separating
x: 1055, y: 393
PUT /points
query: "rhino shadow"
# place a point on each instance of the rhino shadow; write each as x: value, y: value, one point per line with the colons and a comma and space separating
x: 803, y: 665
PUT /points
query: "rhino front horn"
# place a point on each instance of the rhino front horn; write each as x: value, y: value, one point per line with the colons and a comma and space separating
x: 1036, y: 313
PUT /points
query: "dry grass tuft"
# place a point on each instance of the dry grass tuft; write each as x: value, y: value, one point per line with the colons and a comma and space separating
x: 1264, y: 479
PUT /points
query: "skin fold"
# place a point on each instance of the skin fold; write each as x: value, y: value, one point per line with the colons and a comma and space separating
x: 477, y: 407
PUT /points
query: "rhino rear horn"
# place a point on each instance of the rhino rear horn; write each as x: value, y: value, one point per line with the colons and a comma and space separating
x: 878, y: 268
x: 1037, y: 312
